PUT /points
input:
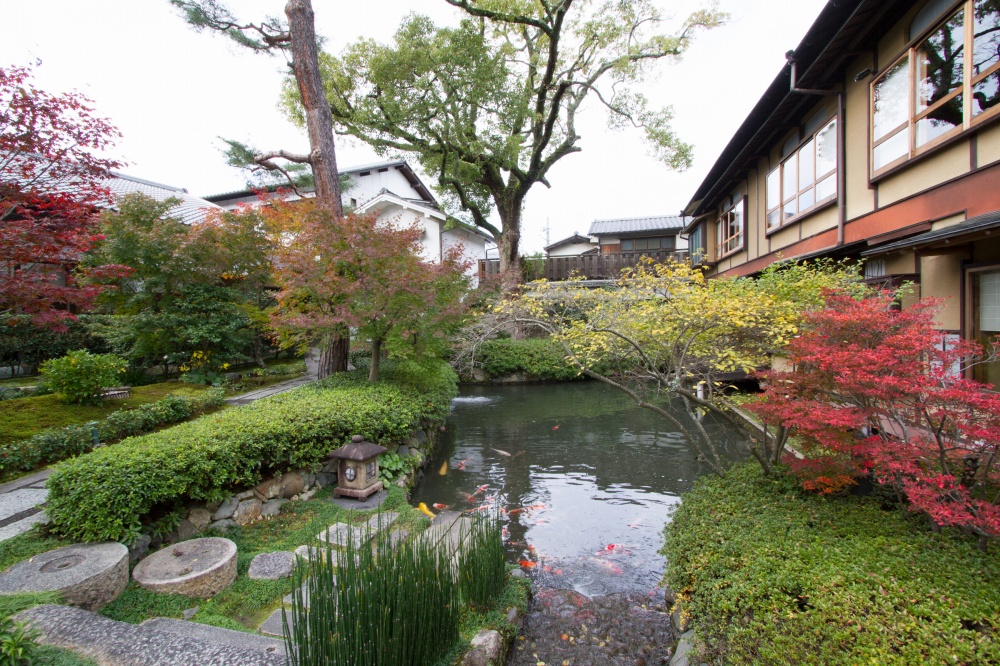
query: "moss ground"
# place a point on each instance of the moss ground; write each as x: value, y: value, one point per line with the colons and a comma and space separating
x: 774, y: 575
x: 23, y: 417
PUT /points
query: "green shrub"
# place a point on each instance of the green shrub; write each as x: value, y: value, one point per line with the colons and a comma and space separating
x: 540, y: 358
x: 107, y: 493
x: 79, y: 376
x: 17, y: 643
x: 777, y: 576
x: 61, y: 443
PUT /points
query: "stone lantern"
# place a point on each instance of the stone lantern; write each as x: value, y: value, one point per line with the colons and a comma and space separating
x: 357, y: 473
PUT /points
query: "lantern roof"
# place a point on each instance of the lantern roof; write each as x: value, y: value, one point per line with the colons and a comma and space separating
x: 358, y: 450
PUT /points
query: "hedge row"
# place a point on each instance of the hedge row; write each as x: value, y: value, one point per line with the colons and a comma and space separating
x: 539, y: 357
x: 774, y: 575
x: 106, y: 494
x: 60, y: 443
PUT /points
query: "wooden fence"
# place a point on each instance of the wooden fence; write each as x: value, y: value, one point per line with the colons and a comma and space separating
x: 590, y: 266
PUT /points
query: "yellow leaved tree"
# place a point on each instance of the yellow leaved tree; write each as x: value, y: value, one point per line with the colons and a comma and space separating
x: 674, y: 340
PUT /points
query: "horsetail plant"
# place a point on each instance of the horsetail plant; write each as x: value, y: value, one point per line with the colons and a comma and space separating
x: 373, y: 602
x: 482, y: 567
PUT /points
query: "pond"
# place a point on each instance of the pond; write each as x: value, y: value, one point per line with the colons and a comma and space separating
x: 584, y: 480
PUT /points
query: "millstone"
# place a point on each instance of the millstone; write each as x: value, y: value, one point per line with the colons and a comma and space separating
x: 199, y: 568
x: 87, y: 575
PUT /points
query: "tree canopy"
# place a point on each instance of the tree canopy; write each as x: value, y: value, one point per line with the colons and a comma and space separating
x: 489, y: 106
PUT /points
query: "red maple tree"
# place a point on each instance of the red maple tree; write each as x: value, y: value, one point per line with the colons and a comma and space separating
x: 368, y: 275
x: 51, y: 170
x: 877, y: 390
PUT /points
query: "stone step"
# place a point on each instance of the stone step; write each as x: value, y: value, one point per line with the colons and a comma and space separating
x: 113, y: 643
x: 272, y: 626
x: 219, y: 635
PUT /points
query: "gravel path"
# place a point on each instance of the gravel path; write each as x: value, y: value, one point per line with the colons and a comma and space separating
x: 565, y: 628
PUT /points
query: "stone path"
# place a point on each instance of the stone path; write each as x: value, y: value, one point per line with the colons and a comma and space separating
x: 21, y: 501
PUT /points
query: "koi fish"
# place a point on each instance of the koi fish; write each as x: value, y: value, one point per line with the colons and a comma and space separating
x: 502, y: 452
x: 423, y: 509
x: 481, y: 489
x: 611, y: 567
x: 444, y: 468
x: 439, y: 506
x: 613, y: 547
x: 513, y: 512
x: 470, y: 498
x: 635, y: 523
x: 460, y: 466
x: 555, y: 427
x: 528, y: 564
x: 478, y: 508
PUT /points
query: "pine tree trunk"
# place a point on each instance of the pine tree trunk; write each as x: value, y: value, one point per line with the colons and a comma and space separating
x: 323, y: 155
x: 376, y: 360
x: 333, y: 355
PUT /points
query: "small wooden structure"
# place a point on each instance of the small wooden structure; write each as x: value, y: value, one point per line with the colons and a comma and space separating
x: 357, y: 473
x: 117, y: 393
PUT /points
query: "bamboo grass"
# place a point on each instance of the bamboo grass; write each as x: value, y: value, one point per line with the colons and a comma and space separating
x: 482, y: 569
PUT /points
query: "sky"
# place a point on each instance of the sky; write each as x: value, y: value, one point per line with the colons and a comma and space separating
x: 173, y: 92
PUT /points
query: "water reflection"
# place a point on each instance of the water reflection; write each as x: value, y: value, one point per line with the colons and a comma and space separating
x: 585, y: 480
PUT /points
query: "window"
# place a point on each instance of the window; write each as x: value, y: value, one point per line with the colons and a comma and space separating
x: 931, y: 93
x: 696, y: 241
x: 370, y: 470
x: 986, y: 320
x: 645, y: 244
x: 729, y: 229
x: 807, y: 177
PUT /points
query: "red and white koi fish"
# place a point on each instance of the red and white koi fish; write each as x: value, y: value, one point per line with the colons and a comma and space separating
x: 555, y: 427
x: 481, y: 489
x: 611, y: 567
x: 439, y: 506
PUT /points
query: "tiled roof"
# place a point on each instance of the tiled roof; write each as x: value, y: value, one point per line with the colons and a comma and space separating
x: 631, y: 225
x: 190, y: 210
x: 979, y: 223
x: 569, y: 240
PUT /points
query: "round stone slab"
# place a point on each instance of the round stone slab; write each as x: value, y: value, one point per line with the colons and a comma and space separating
x: 199, y: 568
x: 87, y: 575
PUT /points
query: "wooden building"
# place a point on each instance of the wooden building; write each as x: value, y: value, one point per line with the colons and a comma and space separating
x: 877, y: 140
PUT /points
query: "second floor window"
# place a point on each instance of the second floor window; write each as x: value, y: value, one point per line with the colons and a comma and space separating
x: 729, y: 229
x: 931, y: 92
x: 805, y: 179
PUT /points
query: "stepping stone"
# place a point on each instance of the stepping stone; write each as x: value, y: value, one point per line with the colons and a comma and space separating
x: 380, y: 521
x: 290, y: 597
x: 199, y: 568
x: 395, y: 537
x: 198, y: 631
x: 20, y: 500
x: 373, y: 502
x: 116, y: 643
x: 90, y: 576
x: 342, y: 534
x: 272, y: 626
x: 272, y: 566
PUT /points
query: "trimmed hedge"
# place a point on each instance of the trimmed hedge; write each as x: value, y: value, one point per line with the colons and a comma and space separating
x: 539, y: 357
x: 773, y: 575
x: 61, y: 443
x: 107, y: 493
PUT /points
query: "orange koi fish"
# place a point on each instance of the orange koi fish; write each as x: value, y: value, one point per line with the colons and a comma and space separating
x: 528, y: 564
x: 480, y: 489
x: 439, y: 506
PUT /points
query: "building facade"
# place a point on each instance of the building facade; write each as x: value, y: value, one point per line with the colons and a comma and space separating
x: 878, y: 140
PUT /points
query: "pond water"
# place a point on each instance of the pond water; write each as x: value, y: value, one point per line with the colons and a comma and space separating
x: 584, y: 480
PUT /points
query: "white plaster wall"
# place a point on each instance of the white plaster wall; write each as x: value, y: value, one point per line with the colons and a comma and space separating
x: 473, y: 248
x: 364, y: 188
x: 572, y: 250
x: 430, y: 239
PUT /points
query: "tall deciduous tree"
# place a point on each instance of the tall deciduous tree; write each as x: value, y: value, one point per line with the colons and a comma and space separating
x: 490, y: 106
x: 365, y: 275
x: 51, y: 172
x: 296, y: 39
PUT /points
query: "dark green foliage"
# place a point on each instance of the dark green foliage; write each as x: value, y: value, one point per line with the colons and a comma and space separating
x: 482, y: 569
x: 539, y: 358
x: 774, y: 575
x: 107, y: 493
x: 374, y: 606
x: 27, y: 345
x: 58, y: 444
x: 17, y: 643
x: 79, y: 376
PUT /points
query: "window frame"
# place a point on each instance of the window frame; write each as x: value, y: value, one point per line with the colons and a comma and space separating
x: 659, y: 239
x: 832, y: 123
x: 721, y: 223
x: 964, y: 90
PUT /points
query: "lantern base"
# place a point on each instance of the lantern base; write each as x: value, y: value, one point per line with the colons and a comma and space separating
x: 361, y: 495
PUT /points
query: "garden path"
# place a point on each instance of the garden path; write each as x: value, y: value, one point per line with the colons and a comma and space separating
x: 22, y: 501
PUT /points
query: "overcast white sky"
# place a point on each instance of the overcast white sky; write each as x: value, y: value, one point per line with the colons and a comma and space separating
x: 173, y: 92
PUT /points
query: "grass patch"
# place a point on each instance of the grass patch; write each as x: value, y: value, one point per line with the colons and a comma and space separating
x: 771, y: 574
x: 24, y: 417
x: 48, y: 655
